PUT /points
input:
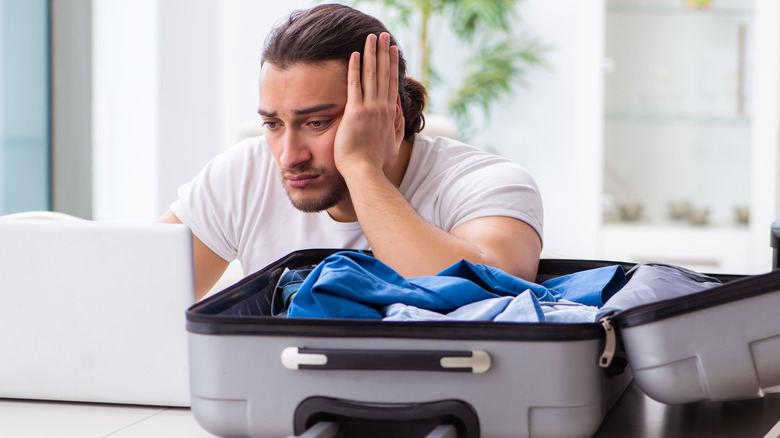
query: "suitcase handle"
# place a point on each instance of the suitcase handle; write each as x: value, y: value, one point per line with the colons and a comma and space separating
x: 330, y: 429
x: 470, y: 361
x: 448, y: 418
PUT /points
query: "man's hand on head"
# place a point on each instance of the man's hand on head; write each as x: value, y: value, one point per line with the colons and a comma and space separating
x: 371, y: 129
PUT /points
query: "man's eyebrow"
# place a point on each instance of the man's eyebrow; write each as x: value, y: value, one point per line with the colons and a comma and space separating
x: 302, y: 111
x: 314, y: 109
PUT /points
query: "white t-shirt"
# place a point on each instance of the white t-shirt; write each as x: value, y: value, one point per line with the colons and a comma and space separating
x: 238, y: 206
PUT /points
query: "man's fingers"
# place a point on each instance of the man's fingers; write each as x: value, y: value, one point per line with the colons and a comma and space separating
x: 354, y: 88
x: 369, y: 67
x: 380, y: 69
x: 392, y: 94
x: 383, y: 66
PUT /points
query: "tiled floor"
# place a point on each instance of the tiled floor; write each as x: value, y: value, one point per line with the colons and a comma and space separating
x: 41, y: 419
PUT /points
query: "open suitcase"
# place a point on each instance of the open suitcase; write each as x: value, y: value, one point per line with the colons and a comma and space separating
x: 255, y: 375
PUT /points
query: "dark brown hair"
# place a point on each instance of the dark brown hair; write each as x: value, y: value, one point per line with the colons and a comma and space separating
x: 333, y: 32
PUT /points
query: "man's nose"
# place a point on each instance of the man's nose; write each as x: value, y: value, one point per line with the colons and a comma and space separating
x: 295, y: 151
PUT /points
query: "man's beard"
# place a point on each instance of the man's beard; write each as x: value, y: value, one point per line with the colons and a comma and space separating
x: 337, y: 192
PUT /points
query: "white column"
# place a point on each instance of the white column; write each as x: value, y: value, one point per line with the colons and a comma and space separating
x: 156, y: 113
x: 588, y: 150
x: 2, y: 117
x: 189, y: 92
x: 125, y: 109
x: 764, y: 150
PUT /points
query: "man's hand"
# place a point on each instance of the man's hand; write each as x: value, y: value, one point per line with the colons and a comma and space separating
x: 368, y: 150
x: 371, y: 130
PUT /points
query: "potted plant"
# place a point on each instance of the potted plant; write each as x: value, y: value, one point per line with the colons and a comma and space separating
x: 698, y: 4
x: 495, y: 55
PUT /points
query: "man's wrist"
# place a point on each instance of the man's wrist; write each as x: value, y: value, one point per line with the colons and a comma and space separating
x: 361, y: 172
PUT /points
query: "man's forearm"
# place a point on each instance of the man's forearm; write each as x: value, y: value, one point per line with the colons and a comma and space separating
x: 398, y: 235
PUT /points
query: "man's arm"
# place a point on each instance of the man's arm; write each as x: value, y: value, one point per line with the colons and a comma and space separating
x: 370, y: 137
x: 405, y: 241
x: 209, y: 267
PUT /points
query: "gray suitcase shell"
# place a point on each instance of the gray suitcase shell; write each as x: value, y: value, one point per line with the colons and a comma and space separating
x: 253, y: 375
x: 721, y: 344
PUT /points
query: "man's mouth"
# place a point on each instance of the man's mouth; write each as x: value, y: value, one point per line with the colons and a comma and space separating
x: 300, y: 181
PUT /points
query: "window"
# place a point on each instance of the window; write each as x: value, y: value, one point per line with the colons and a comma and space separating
x: 24, y: 106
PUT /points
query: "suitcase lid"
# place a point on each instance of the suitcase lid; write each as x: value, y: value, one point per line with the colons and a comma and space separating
x: 718, y: 344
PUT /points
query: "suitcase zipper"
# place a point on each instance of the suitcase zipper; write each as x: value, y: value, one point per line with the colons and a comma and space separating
x: 611, y: 345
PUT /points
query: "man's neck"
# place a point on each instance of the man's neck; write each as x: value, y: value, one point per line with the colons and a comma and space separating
x: 396, y: 170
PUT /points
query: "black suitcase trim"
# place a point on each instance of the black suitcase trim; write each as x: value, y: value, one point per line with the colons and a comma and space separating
x: 735, y: 288
x: 457, y: 330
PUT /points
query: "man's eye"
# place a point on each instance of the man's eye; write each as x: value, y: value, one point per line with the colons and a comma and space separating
x: 270, y: 125
x: 318, y: 123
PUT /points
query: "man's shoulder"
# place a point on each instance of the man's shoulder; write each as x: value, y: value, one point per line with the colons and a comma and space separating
x: 250, y: 145
x: 246, y: 160
x: 429, y: 144
x: 247, y: 152
x: 443, y: 166
x: 453, y: 182
x: 455, y: 157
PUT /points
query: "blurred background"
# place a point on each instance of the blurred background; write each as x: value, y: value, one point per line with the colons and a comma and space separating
x: 651, y: 126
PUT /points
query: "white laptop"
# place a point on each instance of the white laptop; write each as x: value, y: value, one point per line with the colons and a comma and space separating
x: 95, y: 312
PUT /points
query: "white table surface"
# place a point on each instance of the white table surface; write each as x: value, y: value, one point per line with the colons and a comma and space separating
x: 43, y: 419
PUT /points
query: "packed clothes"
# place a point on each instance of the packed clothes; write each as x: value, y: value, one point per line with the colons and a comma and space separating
x: 357, y: 286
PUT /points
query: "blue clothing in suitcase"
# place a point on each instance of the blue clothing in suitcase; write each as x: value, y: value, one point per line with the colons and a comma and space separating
x: 357, y: 286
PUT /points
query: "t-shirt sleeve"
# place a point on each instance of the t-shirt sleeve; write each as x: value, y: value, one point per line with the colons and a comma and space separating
x: 495, y: 187
x: 210, y: 204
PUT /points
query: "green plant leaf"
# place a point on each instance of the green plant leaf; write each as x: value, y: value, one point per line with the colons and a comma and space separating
x: 492, y: 73
x: 486, y: 27
x: 486, y: 17
x: 403, y: 10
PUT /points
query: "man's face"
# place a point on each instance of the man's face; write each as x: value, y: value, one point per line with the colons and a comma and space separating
x: 301, y: 107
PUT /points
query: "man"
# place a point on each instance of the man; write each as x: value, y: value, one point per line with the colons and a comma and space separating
x: 341, y: 166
